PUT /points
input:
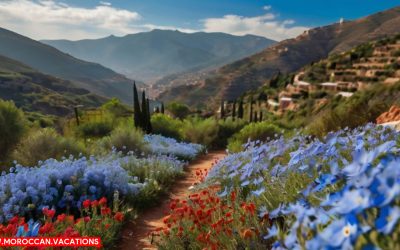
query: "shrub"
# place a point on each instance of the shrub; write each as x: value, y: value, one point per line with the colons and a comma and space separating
x: 94, y: 129
x: 124, y: 139
x: 161, y: 145
x: 262, y: 131
x: 12, y: 125
x: 44, y: 144
x: 166, y: 126
x: 178, y: 110
x: 201, y: 131
x: 226, y: 129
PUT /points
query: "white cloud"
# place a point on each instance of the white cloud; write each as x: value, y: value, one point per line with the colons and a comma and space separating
x: 267, y: 7
x: 105, y: 3
x: 265, y: 25
x: 50, y: 19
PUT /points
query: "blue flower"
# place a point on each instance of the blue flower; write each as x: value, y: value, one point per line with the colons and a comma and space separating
x: 387, y: 220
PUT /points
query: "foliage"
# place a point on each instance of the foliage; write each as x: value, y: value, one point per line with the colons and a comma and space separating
x: 178, y: 110
x: 201, y: 131
x: 166, y: 126
x: 160, y: 145
x: 94, y: 129
x: 262, y: 131
x: 12, y: 126
x: 45, y: 144
x: 157, y: 172
x: 204, y: 221
x: 344, y: 187
x: 226, y: 129
x: 124, y: 139
x: 63, y: 185
x: 116, y: 108
x: 96, y: 219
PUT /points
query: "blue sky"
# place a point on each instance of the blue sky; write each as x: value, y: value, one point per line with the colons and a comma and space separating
x: 276, y: 19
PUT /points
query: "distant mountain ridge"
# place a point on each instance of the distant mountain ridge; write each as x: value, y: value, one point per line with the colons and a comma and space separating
x: 232, y: 80
x: 158, y: 53
x: 35, y: 91
x: 91, y: 76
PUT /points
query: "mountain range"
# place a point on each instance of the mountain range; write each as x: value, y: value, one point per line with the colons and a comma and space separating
x: 48, y: 60
x: 152, y: 55
x: 231, y: 81
x: 35, y: 91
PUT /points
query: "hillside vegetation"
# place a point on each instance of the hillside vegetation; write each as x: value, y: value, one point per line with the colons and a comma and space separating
x: 46, y: 59
x: 285, y: 57
x: 34, y: 91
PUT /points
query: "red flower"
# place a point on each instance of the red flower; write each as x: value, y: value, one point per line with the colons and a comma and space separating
x: 86, y: 219
x: 14, y: 220
x: 107, y: 226
x: 103, y: 201
x: 61, y: 217
x: 86, y: 203
x: 119, y: 216
x: 49, y: 212
x: 105, y: 211
x: 95, y: 203
x: 233, y: 196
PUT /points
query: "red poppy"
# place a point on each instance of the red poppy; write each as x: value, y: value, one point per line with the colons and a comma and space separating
x: 103, y: 201
x: 119, y: 216
x: 61, y: 217
x: 105, y: 211
x: 86, y: 203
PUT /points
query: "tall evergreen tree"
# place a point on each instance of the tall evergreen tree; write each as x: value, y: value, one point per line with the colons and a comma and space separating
x: 234, y: 110
x: 162, y: 108
x: 240, y: 109
x: 255, y: 118
x: 261, y: 116
x: 251, y: 109
x: 149, y: 128
x: 157, y: 110
x: 143, y: 118
x: 222, y: 110
x: 136, y: 107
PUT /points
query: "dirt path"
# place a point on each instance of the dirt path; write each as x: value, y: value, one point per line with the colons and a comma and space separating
x: 134, y: 234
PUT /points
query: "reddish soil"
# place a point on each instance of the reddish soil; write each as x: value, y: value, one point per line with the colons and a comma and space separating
x: 391, y: 116
x: 135, y: 233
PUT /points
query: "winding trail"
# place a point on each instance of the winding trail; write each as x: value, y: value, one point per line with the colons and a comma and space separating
x: 135, y: 233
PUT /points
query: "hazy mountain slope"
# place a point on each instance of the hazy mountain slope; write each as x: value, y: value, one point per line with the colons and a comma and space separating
x: 46, y: 59
x: 34, y: 91
x: 287, y: 56
x: 151, y: 55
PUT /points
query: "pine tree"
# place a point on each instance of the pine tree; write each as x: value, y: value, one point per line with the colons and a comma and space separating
x: 222, y: 110
x: 136, y: 107
x: 234, y: 110
x: 240, y: 109
x: 143, y: 118
x: 162, y: 108
x: 149, y: 128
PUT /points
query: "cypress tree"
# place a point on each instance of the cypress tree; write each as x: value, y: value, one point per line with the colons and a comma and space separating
x: 149, y: 128
x: 162, y: 108
x: 240, y: 110
x: 234, y: 110
x: 222, y: 110
x: 157, y: 109
x: 136, y: 107
x: 143, y: 118
x: 255, y: 116
x: 261, y: 116
x: 251, y: 109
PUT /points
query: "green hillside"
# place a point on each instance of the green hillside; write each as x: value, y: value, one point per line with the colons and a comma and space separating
x: 36, y: 92
x: 46, y: 59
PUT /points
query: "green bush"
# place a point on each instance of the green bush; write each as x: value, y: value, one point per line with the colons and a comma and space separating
x: 44, y: 144
x: 201, y: 131
x: 226, y: 129
x: 166, y: 126
x: 12, y: 126
x: 262, y: 131
x: 124, y: 139
x: 178, y: 110
x: 94, y: 129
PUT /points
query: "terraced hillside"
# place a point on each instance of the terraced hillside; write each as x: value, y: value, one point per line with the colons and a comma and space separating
x: 286, y: 57
x: 35, y: 91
